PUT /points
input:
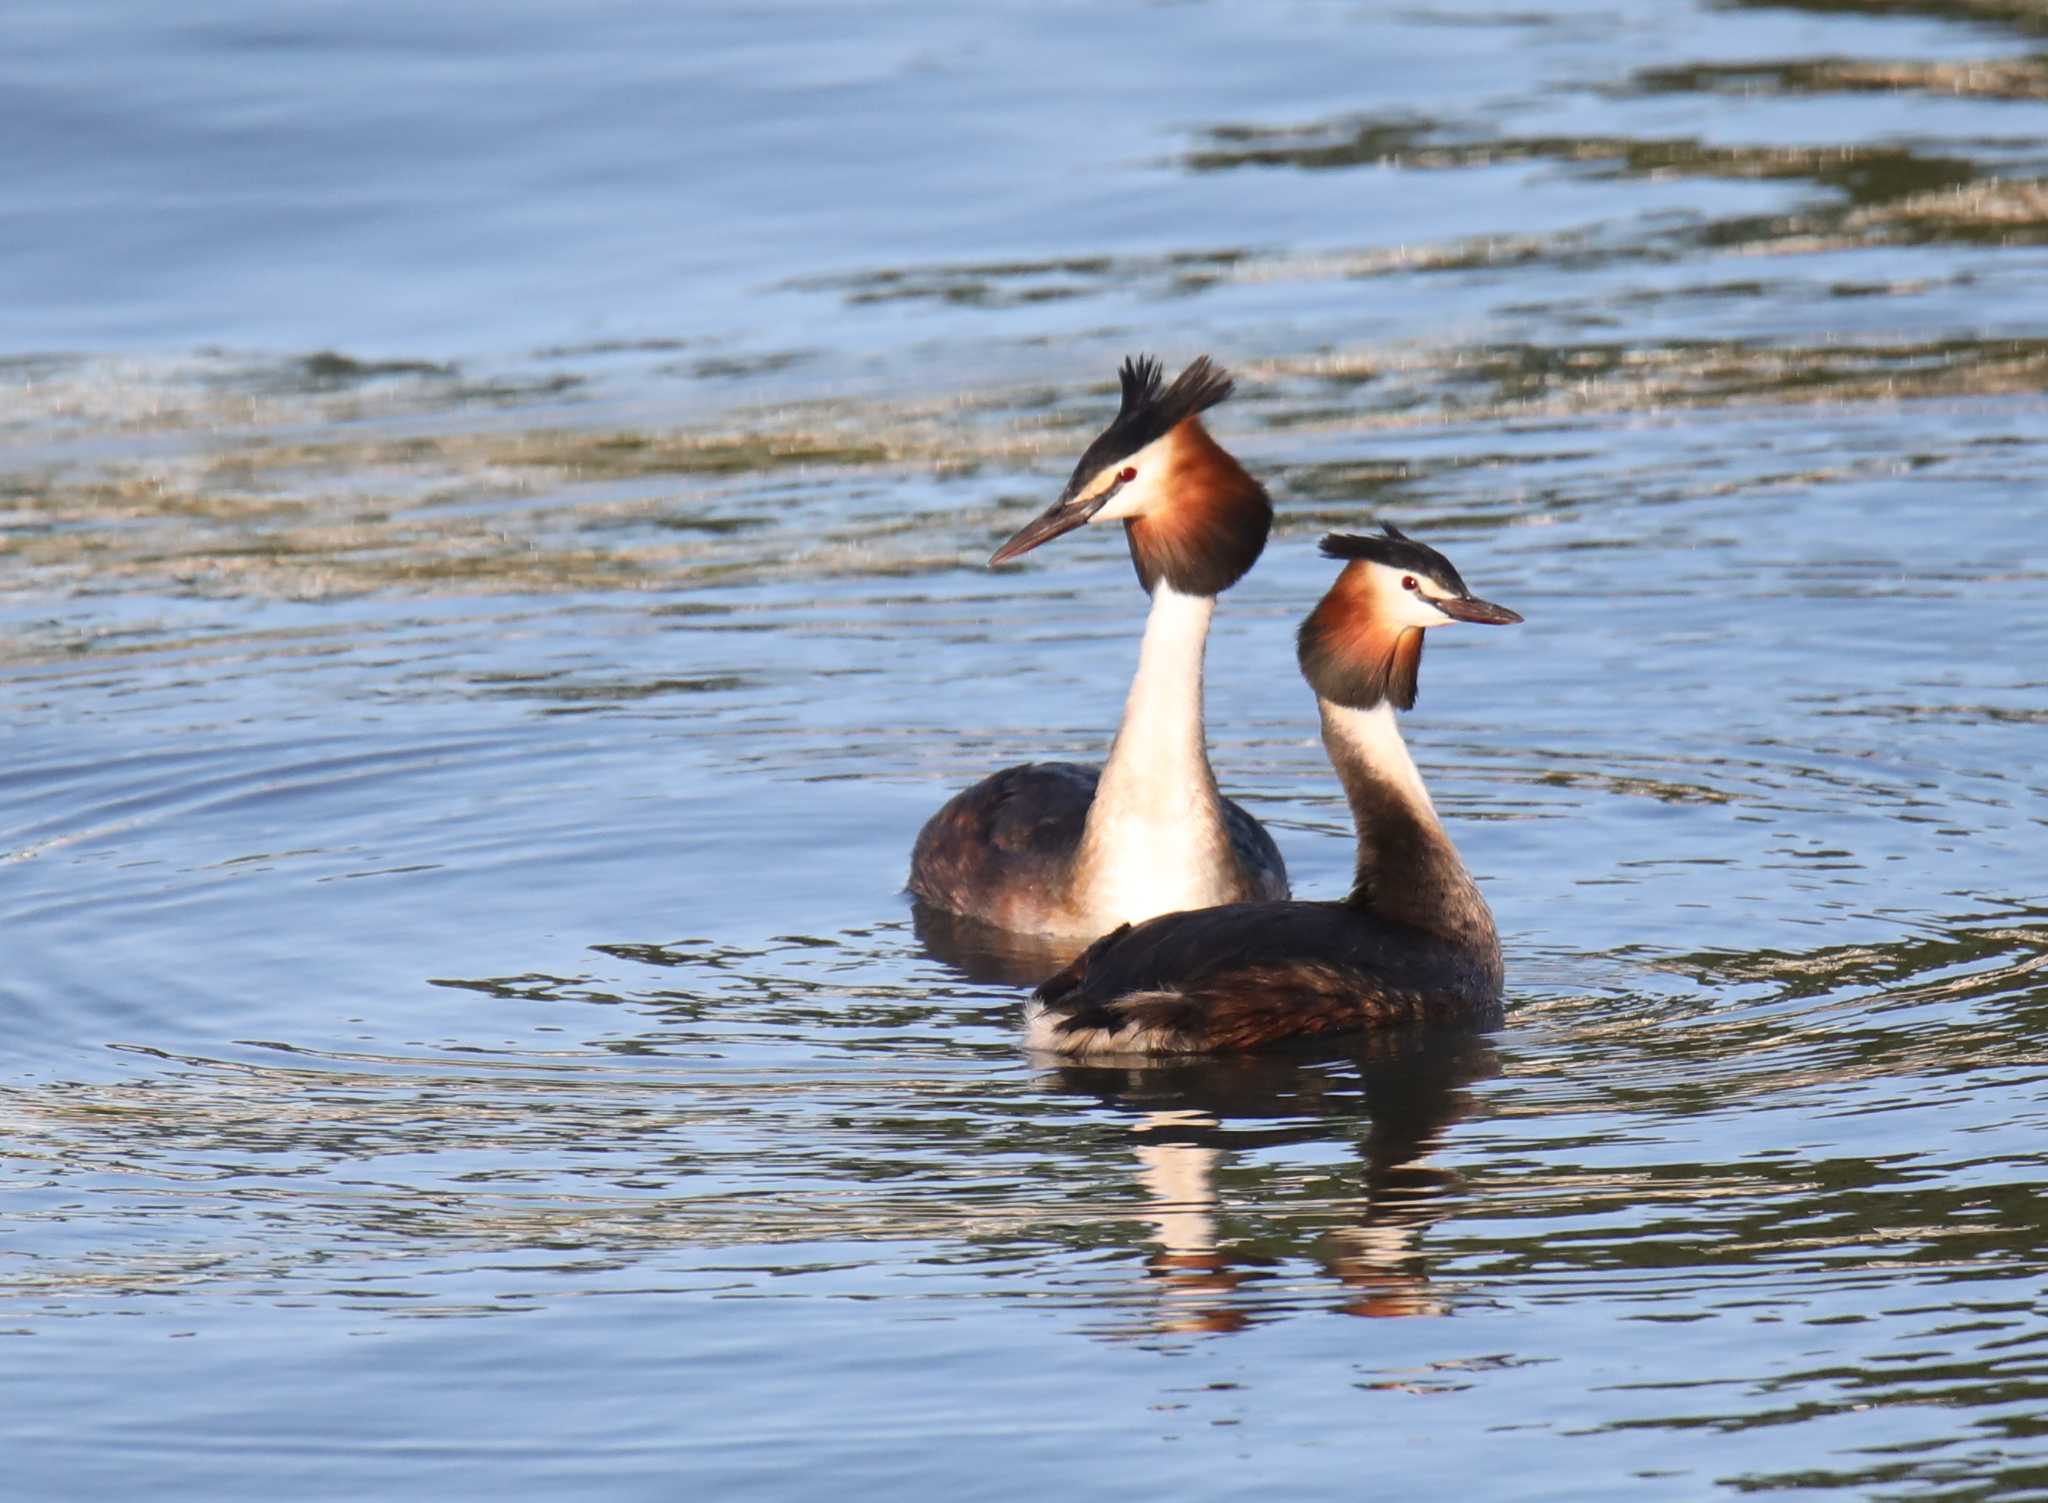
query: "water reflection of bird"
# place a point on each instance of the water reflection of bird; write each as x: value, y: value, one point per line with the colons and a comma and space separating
x: 1413, y: 942
x: 1193, y: 1117
x: 1055, y: 848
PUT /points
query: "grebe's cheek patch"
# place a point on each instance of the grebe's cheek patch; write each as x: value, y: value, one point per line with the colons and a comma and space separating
x: 1354, y: 654
x: 1142, y: 493
x: 1208, y: 521
x: 1149, y: 411
x: 1406, y: 599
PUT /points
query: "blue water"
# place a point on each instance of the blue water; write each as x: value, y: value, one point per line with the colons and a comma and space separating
x: 491, y: 522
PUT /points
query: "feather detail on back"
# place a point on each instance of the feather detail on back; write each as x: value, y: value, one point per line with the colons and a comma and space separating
x: 1249, y: 975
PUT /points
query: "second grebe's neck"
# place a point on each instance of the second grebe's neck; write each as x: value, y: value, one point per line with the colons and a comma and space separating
x: 1155, y: 839
x: 1408, y: 870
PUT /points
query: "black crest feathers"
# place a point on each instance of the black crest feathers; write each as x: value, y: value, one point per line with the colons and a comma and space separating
x: 1396, y: 550
x: 1151, y: 409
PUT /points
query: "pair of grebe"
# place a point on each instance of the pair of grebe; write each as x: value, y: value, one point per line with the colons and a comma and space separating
x: 1200, y: 949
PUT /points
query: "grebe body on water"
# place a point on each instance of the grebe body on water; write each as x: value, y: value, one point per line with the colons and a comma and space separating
x: 1413, y: 942
x: 1061, y: 849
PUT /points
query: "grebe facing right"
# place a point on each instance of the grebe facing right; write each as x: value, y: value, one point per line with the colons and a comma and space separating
x: 1413, y: 943
x: 1058, y: 849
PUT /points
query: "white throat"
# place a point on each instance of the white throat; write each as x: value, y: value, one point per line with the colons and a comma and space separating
x: 1156, y: 841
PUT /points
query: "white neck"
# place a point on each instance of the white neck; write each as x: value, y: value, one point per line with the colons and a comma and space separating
x: 1160, y: 745
x: 1372, y: 739
x: 1155, y: 840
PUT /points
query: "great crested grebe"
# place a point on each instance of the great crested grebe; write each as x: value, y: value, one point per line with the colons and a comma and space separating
x: 1414, y: 941
x: 1056, y: 848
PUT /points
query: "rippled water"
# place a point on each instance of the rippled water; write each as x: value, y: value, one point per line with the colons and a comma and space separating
x: 491, y: 515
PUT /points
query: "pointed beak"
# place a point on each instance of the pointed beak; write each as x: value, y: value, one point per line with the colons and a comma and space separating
x: 1064, y: 515
x: 1479, y: 612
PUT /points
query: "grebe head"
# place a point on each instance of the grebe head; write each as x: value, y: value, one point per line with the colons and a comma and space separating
x: 1194, y: 518
x: 1363, y: 641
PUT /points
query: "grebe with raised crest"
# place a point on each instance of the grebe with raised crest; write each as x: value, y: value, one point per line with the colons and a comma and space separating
x: 1413, y: 943
x: 1058, y: 848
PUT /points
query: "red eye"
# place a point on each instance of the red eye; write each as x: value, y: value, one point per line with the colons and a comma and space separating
x: 1407, y: 581
x: 1126, y: 476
